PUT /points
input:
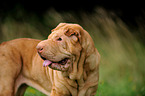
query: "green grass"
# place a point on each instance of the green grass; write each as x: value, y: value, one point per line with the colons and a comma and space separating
x: 122, y: 67
x: 33, y: 92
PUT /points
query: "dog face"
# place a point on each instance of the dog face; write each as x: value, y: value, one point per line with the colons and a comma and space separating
x: 62, y: 47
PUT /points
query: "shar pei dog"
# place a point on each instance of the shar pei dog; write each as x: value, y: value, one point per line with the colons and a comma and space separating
x: 66, y: 64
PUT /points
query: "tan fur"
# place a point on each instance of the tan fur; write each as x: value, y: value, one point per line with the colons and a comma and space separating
x: 21, y: 66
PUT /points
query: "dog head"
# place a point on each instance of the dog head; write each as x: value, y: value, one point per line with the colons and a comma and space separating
x: 63, y: 49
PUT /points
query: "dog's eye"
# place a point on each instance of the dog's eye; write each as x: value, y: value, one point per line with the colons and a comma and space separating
x: 59, y: 39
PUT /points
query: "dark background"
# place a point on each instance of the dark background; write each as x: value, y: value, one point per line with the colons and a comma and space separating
x: 129, y: 11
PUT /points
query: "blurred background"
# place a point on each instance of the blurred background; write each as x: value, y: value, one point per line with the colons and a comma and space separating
x: 117, y: 28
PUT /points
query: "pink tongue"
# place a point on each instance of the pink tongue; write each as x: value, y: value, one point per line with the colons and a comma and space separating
x: 46, y: 63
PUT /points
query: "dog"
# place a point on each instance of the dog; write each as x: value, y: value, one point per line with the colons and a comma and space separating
x: 66, y: 64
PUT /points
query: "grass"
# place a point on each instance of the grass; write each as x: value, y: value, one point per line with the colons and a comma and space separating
x: 122, y: 64
x: 33, y: 92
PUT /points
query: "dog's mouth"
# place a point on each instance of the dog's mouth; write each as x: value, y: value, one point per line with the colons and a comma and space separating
x: 62, y: 65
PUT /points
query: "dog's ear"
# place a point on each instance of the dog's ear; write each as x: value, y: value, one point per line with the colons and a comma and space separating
x: 75, y: 34
x: 70, y: 32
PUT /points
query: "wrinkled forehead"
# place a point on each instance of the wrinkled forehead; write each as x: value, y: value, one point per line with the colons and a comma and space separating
x: 61, y: 30
x: 65, y: 27
x: 55, y: 33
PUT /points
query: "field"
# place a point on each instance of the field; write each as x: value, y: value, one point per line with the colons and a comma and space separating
x: 122, y: 67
